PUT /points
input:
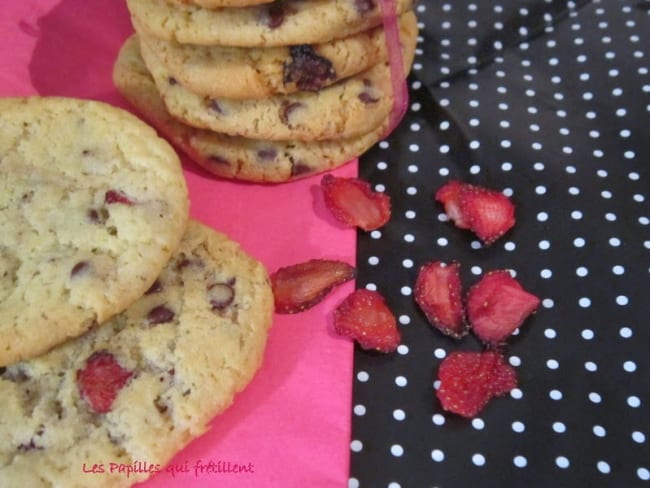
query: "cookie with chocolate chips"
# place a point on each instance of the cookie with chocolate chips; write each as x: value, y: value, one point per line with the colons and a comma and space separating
x: 140, y: 387
x: 279, y: 23
x: 255, y: 73
x: 92, y: 204
x: 349, y: 108
x: 232, y: 156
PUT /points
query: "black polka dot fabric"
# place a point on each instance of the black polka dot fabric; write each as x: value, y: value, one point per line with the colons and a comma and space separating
x: 549, y: 102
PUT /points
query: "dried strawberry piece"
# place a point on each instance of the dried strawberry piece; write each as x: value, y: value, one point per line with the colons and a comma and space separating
x: 303, y: 285
x: 469, y: 380
x: 497, y: 305
x: 100, y: 381
x: 353, y: 203
x: 438, y: 292
x: 365, y: 317
x: 488, y: 213
x: 449, y: 195
x: 116, y: 196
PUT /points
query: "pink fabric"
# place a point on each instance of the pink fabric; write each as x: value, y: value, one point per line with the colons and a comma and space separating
x: 291, y: 426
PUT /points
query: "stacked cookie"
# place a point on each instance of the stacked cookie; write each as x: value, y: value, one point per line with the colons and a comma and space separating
x: 264, y: 91
x: 126, y: 327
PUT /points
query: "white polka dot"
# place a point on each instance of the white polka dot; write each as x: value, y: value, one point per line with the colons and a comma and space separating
x: 406, y: 291
x: 439, y: 353
x: 559, y: 427
x: 622, y: 300
x: 356, y: 446
x: 401, y: 381
x: 595, y: 397
x: 516, y: 393
x: 643, y: 474
x: 520, y: 461
x: 518, y: 426
x: 353, y: 483
x: 373, y: 260
x: 363, y: 376
x: 584, y: 302
x: 603, y: 467
x: 638, y: 437
x: 402, y: 349
x: 437, y: 455
x: 562, y: 462
x: 625, y: 332
x: 404, y: 319
x: 478, y: 459
x: 438, y: 419
x: 587, y: 334
x: 555, y: 394
x: 591, y: 366
x: 629, y: 366
x: 582, y: 271
x: 399, y: 414
x: 407, y: 263
x: 396, y: 450
x: 599, y: 431
x: 478, y: 424
x: 634, y: 401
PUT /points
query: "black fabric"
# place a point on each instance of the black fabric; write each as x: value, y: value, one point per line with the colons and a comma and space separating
x: 550, y: 102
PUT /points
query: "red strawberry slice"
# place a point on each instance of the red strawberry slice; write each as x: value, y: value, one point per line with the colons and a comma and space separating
x: 353, y: 203
x: 488, y: 213
x: 438, y: 292
x: 469, y: 380
x: 449, y: 195
x: 497, y: 305
x: 365, y: 317
x: 303, y: 285
x: 100, y: 381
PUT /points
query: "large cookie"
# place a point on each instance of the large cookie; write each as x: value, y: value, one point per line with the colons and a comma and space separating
x: 92, y: 204
x: 232, y: 156
x: 137, y: 389
x: 280, y: 23
x: 220, y: 3
x: 349, y: 108
x: 254, y: 73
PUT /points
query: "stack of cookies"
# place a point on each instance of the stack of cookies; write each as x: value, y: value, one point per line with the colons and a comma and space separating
x: 264, y: 91
x: 125, y: 327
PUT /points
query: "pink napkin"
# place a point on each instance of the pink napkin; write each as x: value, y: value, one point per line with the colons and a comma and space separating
x: 291, y: 426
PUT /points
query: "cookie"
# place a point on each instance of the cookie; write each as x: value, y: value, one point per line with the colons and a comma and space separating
x: 137, y: 389
x: 349, y: 108
x: 280, y: 23
x: 220, y: 3
x: 92, y: 204
x: 255, y: 73
x: 231, y: 156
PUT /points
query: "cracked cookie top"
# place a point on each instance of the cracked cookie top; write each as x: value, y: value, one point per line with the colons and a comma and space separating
x: 145, y: 383
x: 92, y: 204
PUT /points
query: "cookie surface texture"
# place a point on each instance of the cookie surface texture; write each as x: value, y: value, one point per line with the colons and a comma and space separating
x: 280, y: 23
x: 254, y: 73
x: 92, y: 204
x: 230, y: 156
x: 158, y: 373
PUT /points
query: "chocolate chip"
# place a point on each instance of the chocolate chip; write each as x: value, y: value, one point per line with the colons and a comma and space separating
x: 98, y: 216
x: 308, y: 70
x: 214, y: 105
x: 172, y: 81
x: 220, y: 295
x: 367, y: 98
x: 218, y: 160
x: 78, y: 268
x: 364, y: 6
x: 156, y: 287
x: 274, y: 15
x: 267, y: 154
x: 30, y: 446
x: 160, y: 315
x: 160, y: 405
x: 287, y: 109
x: 299, y: 168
